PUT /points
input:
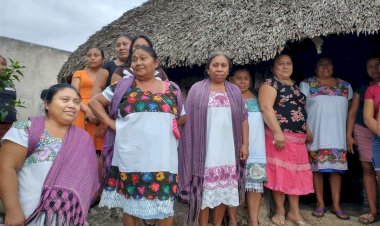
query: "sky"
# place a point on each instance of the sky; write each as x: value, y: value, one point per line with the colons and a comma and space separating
x: 61, y: 24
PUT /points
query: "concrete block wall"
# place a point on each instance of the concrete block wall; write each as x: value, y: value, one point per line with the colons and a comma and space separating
x: 42, y: 66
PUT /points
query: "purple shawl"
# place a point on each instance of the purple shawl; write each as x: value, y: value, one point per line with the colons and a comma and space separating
x: 122, y: 87
x: 72, y: 179
x: 192, y: 145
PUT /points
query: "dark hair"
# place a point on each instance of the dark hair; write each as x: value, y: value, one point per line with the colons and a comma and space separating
x: 215, y: 55
x: 323, y: 59
x: 128, y: 36
x: 276, y: 58
x: 48, y: 94
x: 373, y: 57
x: 148, y: 50
x: 147, y: 39
x: 129, y: 60
x: 101, y: 51
x: 236, y: 68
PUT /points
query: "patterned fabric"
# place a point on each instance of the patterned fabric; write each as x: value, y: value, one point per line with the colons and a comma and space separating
x: 324, y: 159
x: 47, y: 147
x: 220, y: 177
x: 289, y: 105
x: 150, y: 185
x: 161, y: 185
x: 135, y: 100
x: 256, y: 175
x: 316, y: 88
x: 63, y: 198
x: 218, y: 99
x: 252, y: 105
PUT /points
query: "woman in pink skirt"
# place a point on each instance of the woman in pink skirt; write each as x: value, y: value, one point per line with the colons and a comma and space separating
x: 288, y: 168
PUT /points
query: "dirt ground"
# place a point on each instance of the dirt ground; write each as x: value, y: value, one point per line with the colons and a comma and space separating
x: 107, y: 217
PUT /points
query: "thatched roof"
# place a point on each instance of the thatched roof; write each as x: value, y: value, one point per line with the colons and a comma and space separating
x: 186, y: 32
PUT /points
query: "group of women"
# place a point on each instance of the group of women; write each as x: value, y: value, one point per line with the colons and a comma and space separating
x: 224, y: 145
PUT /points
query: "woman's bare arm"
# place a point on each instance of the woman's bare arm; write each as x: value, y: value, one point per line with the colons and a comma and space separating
x: 12, y: 157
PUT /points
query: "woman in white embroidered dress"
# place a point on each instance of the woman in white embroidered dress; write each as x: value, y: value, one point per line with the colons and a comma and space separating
x: 327, y: 105
x: 256, y: 162
x: 23, y: 176
x: 220, y: 188
x: 143, y: 176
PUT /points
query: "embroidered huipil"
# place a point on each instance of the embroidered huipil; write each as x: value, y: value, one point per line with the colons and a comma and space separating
x: 33, y: 172
x: 220, y: 179
x: 145, y: 160
x: 256, y: 162
x: 327, y: 109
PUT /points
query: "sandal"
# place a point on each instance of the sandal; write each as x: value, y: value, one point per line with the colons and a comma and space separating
x: 278, y: 219
x: 297, y: 222
x: 318, y: 212
x: 368, y: 219
x: 340, y: 214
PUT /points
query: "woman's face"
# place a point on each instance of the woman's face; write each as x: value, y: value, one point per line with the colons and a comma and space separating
x: 140, y: 42
x: 324, y: 69
x: 373, y: 68
x: 283, y: 67
x: 123, y: 44
x: 242, y: 79
x: 218, y: 69
x: 64, y: 106
x: 94, y: 58
x: 143, y: 64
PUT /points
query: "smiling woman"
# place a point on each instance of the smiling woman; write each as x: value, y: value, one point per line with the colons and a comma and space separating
x: 141, y: 159
x: 38, y: 159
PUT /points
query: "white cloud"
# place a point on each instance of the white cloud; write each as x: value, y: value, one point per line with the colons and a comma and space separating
x: 62, y: 24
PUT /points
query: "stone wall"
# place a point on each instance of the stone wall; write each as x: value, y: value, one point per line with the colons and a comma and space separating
x: 42, y: 66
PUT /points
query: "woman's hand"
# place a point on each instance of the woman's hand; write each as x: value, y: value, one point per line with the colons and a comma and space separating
x: 101, y: 130
x: 14, y: 217
x: 112, y: 124
x: 244, y: 152
x: 279, y: 140
x: 350, y: 144
x: 309, y: 136
x: 91, y: 117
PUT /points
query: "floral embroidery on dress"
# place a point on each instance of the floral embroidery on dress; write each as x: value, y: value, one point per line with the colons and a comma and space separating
x: 316, y: 88
x: 150, y: 185
x: 47, y: 146
x: 289, y: 105
x: 136, y: 100
x: 252, y: 105
x: 22, y: 125
x: 46, y: 150
x: 327, y: 157
x: 256, y: 172
x: 220, y: 177
x: 218, y: 99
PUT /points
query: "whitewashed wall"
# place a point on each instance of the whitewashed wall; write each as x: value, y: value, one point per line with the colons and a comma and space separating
x: 42, y: 66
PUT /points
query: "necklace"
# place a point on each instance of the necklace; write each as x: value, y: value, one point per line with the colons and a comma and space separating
x: 288, y: 82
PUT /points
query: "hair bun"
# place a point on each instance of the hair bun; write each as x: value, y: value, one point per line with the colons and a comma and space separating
x: 43, y: 94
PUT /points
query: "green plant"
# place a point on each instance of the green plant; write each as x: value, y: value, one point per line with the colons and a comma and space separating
x: 8, y: 75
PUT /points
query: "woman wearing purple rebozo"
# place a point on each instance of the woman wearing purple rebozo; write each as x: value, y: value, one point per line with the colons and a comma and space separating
x: 48, y: 167
x: 213, y: 145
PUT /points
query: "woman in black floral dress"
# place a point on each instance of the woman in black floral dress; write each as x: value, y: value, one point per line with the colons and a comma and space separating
x: 288, y: 168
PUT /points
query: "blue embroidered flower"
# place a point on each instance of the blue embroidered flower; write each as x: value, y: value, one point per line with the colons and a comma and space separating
x: 152, y: 106
x: 147, y: 177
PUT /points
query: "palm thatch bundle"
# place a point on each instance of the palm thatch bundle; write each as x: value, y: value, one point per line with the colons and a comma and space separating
x: 187, y: 32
